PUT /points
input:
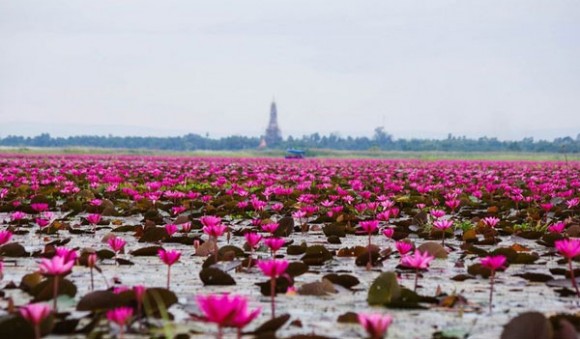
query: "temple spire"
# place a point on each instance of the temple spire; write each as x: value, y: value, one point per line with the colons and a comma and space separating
x: 273, y: 135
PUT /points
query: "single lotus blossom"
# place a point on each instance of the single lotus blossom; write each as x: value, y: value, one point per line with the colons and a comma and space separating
x: 557, y: 227
x: 253, y: 239
x: 120, y: 316
x: 17, y: 216
x: 403, y: 247
x: 42, y: 222
x: 418, y: 261
x: 389, y: 232
x: 176, y: 210
x: 277, y: 207
x: 5, y: 237
x: 271, y: 227
x: 169, y: 257
x: 453, y: 204
x: 35, y: 314
x: 442, y: 225
x: 120, y: 289
x: 171, y: 229
x: 55, y: 267
x: 185, y: 227
x: 39, y: 207
x: 493, y: 263
x: 214, y: 230
x: 274, y: 244
x: 226, y: 311
x: 421, y: 206
x: 69, y: 254
x: 369, y: 227
x: 117, y: 244
x: 375, y: 324
x: 490, y: 222
x: 273, y: 268
x: 547, y: 206
x: 91, y: 263
x: 210, y: 220
x: 572, y: 203
x: 569, y: 249
x: 436, y: 214
x: 93, y: 218
x: 96, y: 202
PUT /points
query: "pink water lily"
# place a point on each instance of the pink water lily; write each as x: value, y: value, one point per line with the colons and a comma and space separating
x: 493, y: 263
x: 120, y: 316
x: 443, y: 225
x: 169, y: 257
x: 273, y: 268
x: 226, y: 311
x: 5, y: 237
x: 274, y: 244
x: 418, y: 261
x: 55, y: 268
x: 117, y: 244
x: 375, y: 324
x: 569, y: 249
x: 35, y: 314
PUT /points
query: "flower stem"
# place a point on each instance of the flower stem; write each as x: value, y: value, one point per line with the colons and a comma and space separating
x: 220, y: 332
x: 574, y: 283
x: 416, y: 279
x: 370, y: 264
x: 273, y: 296
x: 55, y: 293
x: 168, y: 275
x: 37, y: 331
x: 491, y: 281
x: 92, y: 281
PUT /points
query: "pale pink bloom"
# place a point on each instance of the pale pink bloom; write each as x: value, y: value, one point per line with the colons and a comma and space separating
x: 417, y: 260
x: 436, y: 214
x: 35, y: 313
x: 298, y: 214
x: 55, y: 266
x: 277, y: 207
x: 18, y: 215
x: 116, y: 243
x: 442, y: 224
x: 490, y: 221
x: 92, y: 260
x: 572, y: 202
x: 210, y: 220
x: 96, y: 202
x: 185, y: 227
x: 375, y: 324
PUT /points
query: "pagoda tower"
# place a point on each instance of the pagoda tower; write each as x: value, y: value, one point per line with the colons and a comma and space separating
x: 273, y: 135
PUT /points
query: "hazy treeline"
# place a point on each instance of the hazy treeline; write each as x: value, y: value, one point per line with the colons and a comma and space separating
x: 380, y: 141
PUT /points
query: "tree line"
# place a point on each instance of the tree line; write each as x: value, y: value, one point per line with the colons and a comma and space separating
x: 381, y: 140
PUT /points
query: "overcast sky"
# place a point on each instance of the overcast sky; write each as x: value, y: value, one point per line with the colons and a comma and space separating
x: 505, y: 69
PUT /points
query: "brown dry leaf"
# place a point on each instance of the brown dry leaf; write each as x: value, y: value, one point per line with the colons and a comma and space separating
x: 520, y: 248
x: 317, y: 288
x: 206, y: 248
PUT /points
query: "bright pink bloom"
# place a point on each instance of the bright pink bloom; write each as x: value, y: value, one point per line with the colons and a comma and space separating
x: 273, y: 268
x: 139, y: 292
x: 494, y: 262
x: 68, y: 254
x: 490, y: 221
x: 436, y: 214
x: 214, y: 230
x: 5, y: 237
x: 94, y: 218
x: 42, y: 222
x: 274, y: 244
x: 568, y: 248
x: 277, y: 207
x: 210, y: 220
x: 18, y: 215
x: 417, y: 260
x: 116, y: 244
x: 39, y: 207
x: 403, y: 247
x: 169, y: 257
x: 120, y: 315
x: 369, y: 226
x: 388, y: 232
x: 35, y: 313
x: 442, y: 224
x: 253, y: 239
x: 270, y: 228
x: 96, y: 202
x: 186, y: 227
x: 92, y: 260
x: 171, y: 229
x: 226, y: 310
x: 55, y: 266
x: 572, y: 202
x: 557, y: 227
x: 376, y: 324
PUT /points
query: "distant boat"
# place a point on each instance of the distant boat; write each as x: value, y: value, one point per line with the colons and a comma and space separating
x: 295, y: 154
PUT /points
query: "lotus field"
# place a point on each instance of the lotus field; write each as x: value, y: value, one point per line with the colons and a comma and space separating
x: 127, y: 247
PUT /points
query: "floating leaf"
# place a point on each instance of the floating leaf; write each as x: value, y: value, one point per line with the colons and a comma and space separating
x: 535, y: 277
x: 296, y: 268
x: 153, y: 234
x: 348, y: 318
x: 13, y: 250
x: 317, y: 288
x: 529, y: 325
x: 316, y: 255
x: 271, y: 326
x: 98, y: 301
x: 434, y: 249
x: 215, y: 277
x: 344, y: 280
x: 384, y: 289
x: 334, y: 229
x: 150, y: 251
x: 44, y: 290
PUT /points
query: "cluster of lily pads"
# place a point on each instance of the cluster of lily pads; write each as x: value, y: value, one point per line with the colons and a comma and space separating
x: 67, y: 223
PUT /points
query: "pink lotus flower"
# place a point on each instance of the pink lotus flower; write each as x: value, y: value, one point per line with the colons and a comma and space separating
x: 210, y: 220
x: 96, y: 202
x: 42, y: 222
x: 117, y: 244
x: 171, y: 229
x: 572, y: 203
x: 270, y: 228
x: 569, y: 249
x: 55, y: 267
x: 226, y: 311
x: 68, y: 254
x: 557, y: 227
x: 214, y: 230
x: 376, y: 324
x: 493, y: 263
x: 490, y: 221
x: 442, y: 225
x: 403, y: 247
x: 39, y: 207
x: 389, y: 232
x: 436, y: 214
x: 93, y: 218
x: 91, y: 263
x: 169, y: 257
x: 277, y: 207
x: 120, y: 316
x: 18, y: 215
x: 418, y: 261
x: 273, y: 268
x: 35, y: 314
x: 274, y: 244
x: 253, y: 239
x: 5, y: 237
x: 185, y: 227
